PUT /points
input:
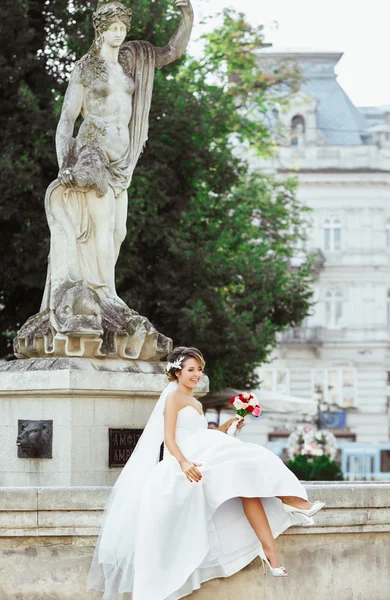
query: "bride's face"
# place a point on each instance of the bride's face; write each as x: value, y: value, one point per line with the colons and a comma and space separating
x: 191, y: 373
x: 115, y: 35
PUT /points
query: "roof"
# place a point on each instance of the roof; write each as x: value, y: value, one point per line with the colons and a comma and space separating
x: 338, y: 118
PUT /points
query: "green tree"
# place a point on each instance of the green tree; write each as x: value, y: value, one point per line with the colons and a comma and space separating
x: 27, y: 161
x: 208, y: 253
x: 319, y: 468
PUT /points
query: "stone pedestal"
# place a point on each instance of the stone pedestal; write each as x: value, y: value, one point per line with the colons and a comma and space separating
x: 84, y: 398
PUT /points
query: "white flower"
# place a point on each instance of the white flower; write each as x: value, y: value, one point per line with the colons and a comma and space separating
x: 176, y: 364
x: 253, y: 401
x: 237, y: 403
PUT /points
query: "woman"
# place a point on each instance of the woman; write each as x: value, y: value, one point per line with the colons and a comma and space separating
x: 162, y: 536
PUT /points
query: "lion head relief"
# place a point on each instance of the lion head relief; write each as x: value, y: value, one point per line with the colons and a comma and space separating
x: 35, y: 439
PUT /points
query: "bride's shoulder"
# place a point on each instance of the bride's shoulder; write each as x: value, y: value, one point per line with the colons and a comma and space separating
x: 172, y: 403
x: 173, y: 399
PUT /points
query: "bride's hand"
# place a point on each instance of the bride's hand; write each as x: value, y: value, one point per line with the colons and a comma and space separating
x: 190, y: 470
x: 230, y: 421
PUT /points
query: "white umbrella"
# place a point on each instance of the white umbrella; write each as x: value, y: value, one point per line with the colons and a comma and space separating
x: 275, y: 402
x: 283, y: 403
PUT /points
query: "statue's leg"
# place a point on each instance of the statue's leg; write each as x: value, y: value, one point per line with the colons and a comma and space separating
x: 61, y: 216
x: 120, y: 221
x: 102, y: 213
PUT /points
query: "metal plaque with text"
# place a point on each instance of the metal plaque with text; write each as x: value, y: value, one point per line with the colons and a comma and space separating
x: 121, y: 443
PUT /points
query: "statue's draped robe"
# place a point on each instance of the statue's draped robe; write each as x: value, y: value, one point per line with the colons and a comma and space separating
x: 70, y: 223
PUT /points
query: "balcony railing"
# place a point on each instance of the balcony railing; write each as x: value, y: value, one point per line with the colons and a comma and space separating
x: 318, y: 335
x: 299, y: 335
x: 368, y: 157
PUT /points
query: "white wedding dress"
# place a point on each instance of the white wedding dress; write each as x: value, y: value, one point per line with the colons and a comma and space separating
x: 190, y: 532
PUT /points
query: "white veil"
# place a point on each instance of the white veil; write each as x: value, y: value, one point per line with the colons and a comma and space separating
x: 112, y: 568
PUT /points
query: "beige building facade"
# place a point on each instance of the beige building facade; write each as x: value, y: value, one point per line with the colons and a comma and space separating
x: 340, y: 356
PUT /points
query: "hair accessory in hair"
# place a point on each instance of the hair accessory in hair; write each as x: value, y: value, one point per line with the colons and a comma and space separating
x: 176, y: 364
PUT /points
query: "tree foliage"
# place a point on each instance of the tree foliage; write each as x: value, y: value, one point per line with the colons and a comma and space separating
x: 207, y: 257
x: 319, y: 468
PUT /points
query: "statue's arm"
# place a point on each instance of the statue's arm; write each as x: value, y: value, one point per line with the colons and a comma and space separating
x: 181, y: 37
x: 71, y: 108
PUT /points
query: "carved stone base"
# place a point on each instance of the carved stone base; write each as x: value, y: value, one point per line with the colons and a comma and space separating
x: 86, y: 325
x: 85, y: 399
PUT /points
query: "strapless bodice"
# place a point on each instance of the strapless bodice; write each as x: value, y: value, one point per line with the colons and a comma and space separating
x: 189, y: 421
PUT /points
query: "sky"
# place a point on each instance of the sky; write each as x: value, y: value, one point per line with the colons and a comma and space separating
x: 359, y: 28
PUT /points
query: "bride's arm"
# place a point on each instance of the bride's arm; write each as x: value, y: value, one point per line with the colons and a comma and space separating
x: 170, y: 417
x: 179, y: 41
x: 225, y: 426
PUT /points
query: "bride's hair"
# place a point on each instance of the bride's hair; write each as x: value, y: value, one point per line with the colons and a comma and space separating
x: 179, y: 352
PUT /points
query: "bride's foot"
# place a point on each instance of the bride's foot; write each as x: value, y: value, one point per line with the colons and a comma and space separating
x: 296, y: 502
x: 308, y: 512
x: 272, y: 560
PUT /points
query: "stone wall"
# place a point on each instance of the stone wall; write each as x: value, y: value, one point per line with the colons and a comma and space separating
x: 47, y: 537
x: 84, y: 398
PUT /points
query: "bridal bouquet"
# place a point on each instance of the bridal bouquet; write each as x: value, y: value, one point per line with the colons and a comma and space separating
x: 244, y: 404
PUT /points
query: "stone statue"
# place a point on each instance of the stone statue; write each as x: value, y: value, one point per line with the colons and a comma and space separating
x: 86, y: 206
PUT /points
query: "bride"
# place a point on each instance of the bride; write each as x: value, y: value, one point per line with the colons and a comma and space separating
x: 162, y: 537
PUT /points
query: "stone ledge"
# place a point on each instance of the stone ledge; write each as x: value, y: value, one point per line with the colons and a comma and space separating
x: 82, y: 364
x: 12, y: 499
x: 320, y: 567
x: 36, y: 377
x: 351, y: 494
x: 77, y: 511
x: 71, y: 498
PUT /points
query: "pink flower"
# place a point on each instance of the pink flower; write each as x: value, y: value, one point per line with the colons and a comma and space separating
x: 245, y: 405
x: 245, y: 396
x: 256, y: 411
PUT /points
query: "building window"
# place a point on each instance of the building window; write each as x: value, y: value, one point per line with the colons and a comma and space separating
x: 334, y: 387
x: 297, y: 130
x: 275, y: 380
x: 388, y: 234
x: 332, y: 234
x: 388, y: 309
x: 333, y: 307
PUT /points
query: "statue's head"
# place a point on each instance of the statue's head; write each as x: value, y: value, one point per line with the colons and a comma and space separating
x: 111, y: 21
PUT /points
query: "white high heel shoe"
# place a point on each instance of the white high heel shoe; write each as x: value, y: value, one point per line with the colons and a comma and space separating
x: 275, y: 571
x: 308, y: 512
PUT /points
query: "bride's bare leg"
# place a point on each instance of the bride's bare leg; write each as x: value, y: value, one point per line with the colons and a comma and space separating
x: 295, y: 501
x: 256, y: 516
